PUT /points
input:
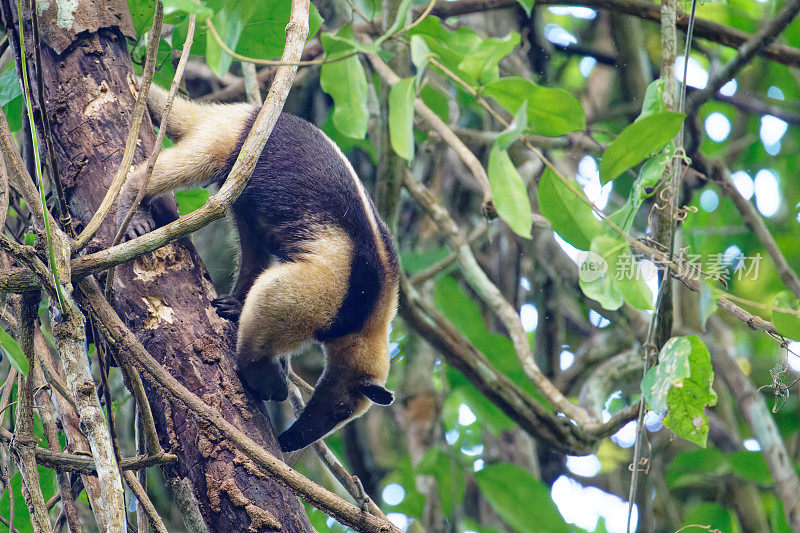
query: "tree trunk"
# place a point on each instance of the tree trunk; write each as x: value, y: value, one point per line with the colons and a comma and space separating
x: 164, y: 296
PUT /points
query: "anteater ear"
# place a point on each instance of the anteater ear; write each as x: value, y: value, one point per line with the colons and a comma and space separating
x: 376, y: 393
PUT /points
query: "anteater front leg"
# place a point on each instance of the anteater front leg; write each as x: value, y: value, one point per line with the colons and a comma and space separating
x: 287, y: 305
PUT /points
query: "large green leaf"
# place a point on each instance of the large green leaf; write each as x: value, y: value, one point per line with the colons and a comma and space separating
x: 610, y: 272
x: 346, y: 82
x: 264, y: 34
x: 449, y: 475
x: 14, y: 353
x: 521, y: 500
x: 11, y: 97
x: 509, y: 193
x: 254, y: 28
x: 681, y: 384
x: 463, y: 51
x: 644, y: 187
x: 751, y: 466
x: 696, y: 466
x: 711, y: 517
x: 401, y: 118
x: 190, y: 200
x: 142, y: 12
x: 568, y: 214
x: 641, y: 139
x: 551, y: 112
x: 787, y: 324
x: 188, y: 6
x: 481, y: 64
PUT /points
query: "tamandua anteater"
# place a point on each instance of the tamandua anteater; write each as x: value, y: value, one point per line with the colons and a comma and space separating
x: 317, y: 262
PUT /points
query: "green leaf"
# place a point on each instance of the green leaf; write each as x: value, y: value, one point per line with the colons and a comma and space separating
x: 654, y: 98
x: 415, y: 261
x: 14, y: 353
x: 190, y: 200
x: 254, y: 28
x: 623, y: 270
x: 569, y: 216
x: 449, y: 475
x: 596, y: 278
x: 639, y: 140
x: 514, y: 493
x: 346, y: 82
x: 509, y: 193
x: 142, y: 12
x: 11, y: 98
x: 191, y: 7
x: 420, y: 55
x: 787, y: 324
x: 527, y: 5
x: 552, y: 112
x: 751, y: 466
x: 710, y: 517
x: 264, y: 34
x: 681, y: 384
x: 437, y: 101
x: 463, y: 51
x: 399, y: 21
x: 696, y: 466
x: 644, y: 187
x: 401, y: 118
x: 481, y: 64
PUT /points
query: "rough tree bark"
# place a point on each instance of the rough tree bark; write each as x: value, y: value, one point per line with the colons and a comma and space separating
x: 164, y: 296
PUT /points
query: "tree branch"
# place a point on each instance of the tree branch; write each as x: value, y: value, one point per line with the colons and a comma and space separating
x: 704, y: 29
x: 721, y: 176
x: 747, y: 51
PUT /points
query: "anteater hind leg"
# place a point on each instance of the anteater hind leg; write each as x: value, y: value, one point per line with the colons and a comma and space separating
x: 287, y: 305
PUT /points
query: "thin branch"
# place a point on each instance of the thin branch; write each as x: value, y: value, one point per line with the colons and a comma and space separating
x: 234, y: 91
x: 143, y: 500
x: 704, y: 29
x: 270, y: 62
x: 151, y: 160
x: 24, y: 442
x: 83, y: 464
x: 532, y: 417
x: 251, y: 85
x: 437, y: 124
x: 110, y: 199
x: 51, y: 436
x: 47, y: 133
x: 350, y: 483
x: 750, y: 215
x: 747, y: 51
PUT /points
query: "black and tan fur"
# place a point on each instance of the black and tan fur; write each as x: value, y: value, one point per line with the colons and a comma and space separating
x: 317, y: 262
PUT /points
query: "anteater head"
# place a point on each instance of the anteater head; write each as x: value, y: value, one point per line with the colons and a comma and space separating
x: 336, y: 400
